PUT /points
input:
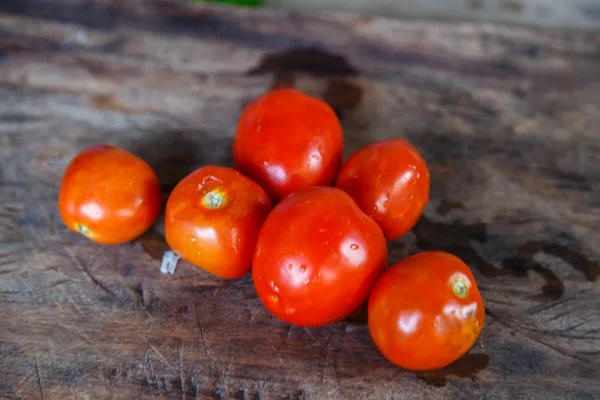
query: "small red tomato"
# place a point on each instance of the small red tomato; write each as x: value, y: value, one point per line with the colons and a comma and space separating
x: 317, y: 257
x: 109, y: 195
x: 288, y: 141
x: 390, y: 182
x: 212, y: 220
x: 426, y: 311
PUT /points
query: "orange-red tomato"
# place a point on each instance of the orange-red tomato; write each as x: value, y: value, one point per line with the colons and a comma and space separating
x: 288, y: 141
x: 109, y: 195
x: 212, y: 220
x: 317, y: 257
x: 389, y: 180
x: 426, y: 311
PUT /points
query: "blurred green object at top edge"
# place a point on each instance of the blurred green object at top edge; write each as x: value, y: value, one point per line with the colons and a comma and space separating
x: 236, y: 2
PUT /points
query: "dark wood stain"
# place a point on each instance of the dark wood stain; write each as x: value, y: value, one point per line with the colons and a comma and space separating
x: 311, y: 61
x: 446, y: 206
x: 110, y: 103
x: 512, y: 5
x: 476, y: 4
x: 340, y: 93
x: 455, y: 238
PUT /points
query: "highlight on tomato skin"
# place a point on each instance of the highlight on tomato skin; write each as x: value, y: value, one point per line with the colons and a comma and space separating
x: 109, y: 195
x: 287, y: 140
x: 317, y: 257
x: 389, y: 180
x: 426, y: 311
x: 212, y: 220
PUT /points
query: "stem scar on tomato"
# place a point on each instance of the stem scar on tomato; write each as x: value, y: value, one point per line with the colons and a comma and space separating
x: 214, y: 199
x: 460, y: 287
x: 84, y: 230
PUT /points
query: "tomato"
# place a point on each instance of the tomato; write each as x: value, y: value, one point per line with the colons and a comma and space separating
x: 317, y: 257
x: 426, y: 311
x: 109, y: 195
x: 212, y: 220
x: 389, y: 181
x: 287, y: 141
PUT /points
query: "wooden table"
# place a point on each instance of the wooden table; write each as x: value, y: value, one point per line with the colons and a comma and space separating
x: 507, y: 118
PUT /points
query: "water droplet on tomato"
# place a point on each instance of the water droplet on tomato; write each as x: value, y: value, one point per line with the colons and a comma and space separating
x: 302, y: 268
x: 193, y: 240
x: 274, y: 286
x: 354, y: 246
x: 306, y: 282
x: 290, y: 266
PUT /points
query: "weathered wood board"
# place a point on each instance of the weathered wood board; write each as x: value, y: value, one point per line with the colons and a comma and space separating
x: 508, y: 120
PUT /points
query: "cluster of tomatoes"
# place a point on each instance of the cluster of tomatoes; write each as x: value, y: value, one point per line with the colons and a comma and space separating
x: 312, y: 229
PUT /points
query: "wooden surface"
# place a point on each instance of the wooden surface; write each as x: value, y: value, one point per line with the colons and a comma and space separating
x: 508, y: 120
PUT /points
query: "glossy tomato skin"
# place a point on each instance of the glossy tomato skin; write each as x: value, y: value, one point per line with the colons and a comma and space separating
x: 212, y: 220
x: 109, y: 195
x: 288, y: 141
x: 426, y: 311
x: 317, y: 257
x: 389, y: 180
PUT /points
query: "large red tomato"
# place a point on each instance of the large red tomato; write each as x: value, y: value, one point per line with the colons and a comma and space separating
x: 389, y: 180
x: 109, y: 195
x: 317, y: 257
x: 426, y: 311
x: 288, y: 141
x: 212, y: 220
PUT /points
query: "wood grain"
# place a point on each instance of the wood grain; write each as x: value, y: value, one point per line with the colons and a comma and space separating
x: 508, y: 120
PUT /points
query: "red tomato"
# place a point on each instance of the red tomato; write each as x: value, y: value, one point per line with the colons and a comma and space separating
x: 109, y: 195
x: 288, y: 141
x: 317, y: 257
x: 390, y: 182
x: 426, y: 311
x: 212, y: 220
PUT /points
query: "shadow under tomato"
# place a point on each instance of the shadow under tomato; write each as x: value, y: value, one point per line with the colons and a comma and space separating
x: 465, y: 367
x: 154, y: 244
x: 174, y: 154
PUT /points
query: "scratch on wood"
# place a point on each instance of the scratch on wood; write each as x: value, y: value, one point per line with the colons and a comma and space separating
x: 62, y: 289
x: 127, y: 286
x: 312, y: 336
x: 163, y: 359
x: 58, y: 305
x: 47, y: 215
x: 181, y: 372
x: 329, y: 346
x: 85, y: 271
x: 59, y: 282
x: 39, y: 378
x: 278, y: 356
x: 289, y: 332
x: 10, y: 271
x: 547, y: 306
x: 217, y: 289
x: 202, y: 337
x: 195, y: 387
x: 524, y: 333
x: 22, y: 383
